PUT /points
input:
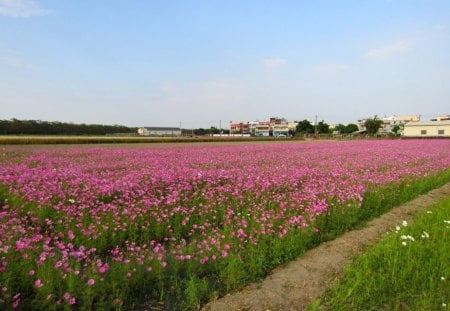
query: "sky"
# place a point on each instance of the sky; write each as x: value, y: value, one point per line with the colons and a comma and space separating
x: 206, y: 63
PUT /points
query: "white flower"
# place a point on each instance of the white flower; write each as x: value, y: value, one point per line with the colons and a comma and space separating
x: 397, y: 228
x: 429, y: 212
x: 447, y: 222
x: 407, y: 237
x: 444, y: 305
x: 425, y: 235
x: 71, y: 200
x: 404, y: 243
x: 404, y: 223
x: 442, y: 278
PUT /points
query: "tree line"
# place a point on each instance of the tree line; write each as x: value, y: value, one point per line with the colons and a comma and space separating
x: 38, y: 127
x: 372, y: 126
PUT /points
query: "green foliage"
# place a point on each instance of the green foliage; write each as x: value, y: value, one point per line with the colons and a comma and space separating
x: 373, y: 125
x: 350, y: 128
x: 323, y: 128
x: 305, y: 127
x: 396, y: 129
x: 407, y: 270
x: 37, y: 127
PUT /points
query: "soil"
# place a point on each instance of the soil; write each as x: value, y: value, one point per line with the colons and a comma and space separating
x: 296, y: 284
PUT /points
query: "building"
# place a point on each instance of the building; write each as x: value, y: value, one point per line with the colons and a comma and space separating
x: 389, y: 123
x: 159, y: 131
x: 442, y: 118
x: 260, y: 129
x: 274, y: 127
x: 240, y: 128
x: 427, y: 129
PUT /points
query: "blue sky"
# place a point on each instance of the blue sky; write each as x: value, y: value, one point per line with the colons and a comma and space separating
x: 198, y: 62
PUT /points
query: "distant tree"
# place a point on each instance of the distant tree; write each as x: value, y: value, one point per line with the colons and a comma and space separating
x: 214, y: 130
x: 373, y: 125
x: 323, y: 128
x: 37, y: 127
x: 305, y: 127
x: 351, y: 127
x: 396, y: 129
x: 200, y: 132
x: 340, y: 128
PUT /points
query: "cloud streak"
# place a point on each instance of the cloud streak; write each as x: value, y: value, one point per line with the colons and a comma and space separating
x: 273, y: 63
x: 389, y: 51
x: 21, y: 8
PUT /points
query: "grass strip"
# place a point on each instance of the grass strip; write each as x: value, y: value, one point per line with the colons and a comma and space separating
x: 407, y: 270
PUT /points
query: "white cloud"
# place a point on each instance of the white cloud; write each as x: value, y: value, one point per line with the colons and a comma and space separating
x: 272, y: 63
x: 390, y: 50
x: 21, y: 8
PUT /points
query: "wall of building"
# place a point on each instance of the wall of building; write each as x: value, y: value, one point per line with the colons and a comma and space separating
x: 427, y: 130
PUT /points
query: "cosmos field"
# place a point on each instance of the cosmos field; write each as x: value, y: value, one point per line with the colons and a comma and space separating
x: 121, y: 227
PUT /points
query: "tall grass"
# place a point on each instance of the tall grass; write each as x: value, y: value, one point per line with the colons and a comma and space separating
x: 408, y: 270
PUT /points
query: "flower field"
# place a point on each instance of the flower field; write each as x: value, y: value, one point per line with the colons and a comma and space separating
x: 119, y: 227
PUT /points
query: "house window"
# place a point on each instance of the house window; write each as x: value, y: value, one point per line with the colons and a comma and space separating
x: 423, y: 132
x: 440, y: 132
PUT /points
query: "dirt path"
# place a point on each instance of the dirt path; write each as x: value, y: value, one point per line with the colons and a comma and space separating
x: 293, y: 286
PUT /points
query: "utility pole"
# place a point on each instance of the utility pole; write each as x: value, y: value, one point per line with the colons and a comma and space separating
x: 315, y: 127
x: 220, y: 127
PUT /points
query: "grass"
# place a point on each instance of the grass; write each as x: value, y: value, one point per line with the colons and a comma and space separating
x: 409, y: 269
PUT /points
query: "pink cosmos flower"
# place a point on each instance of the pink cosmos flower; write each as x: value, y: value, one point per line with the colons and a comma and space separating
x: 91, y: 282
x: 38, y: 283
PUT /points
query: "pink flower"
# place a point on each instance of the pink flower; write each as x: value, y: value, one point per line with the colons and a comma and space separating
x: 66, y: 296
x: 72, y: 301
x: 91, y: 282
x: 103, y: 268
x: 31, y: 272
x: 38, y: 283
x: 15, y: 304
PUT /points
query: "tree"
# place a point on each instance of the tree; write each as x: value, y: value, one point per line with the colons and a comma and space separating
x: 323, y: 128
x: 214, y: 130
x: 340, y: 128
x: 305, y: 127
x: 350, y: 128
x: 396, y: 129
x: 373, y: 125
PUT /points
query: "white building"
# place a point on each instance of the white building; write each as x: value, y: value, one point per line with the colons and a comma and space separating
x: 159, y: 131
x: 427, y: 129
